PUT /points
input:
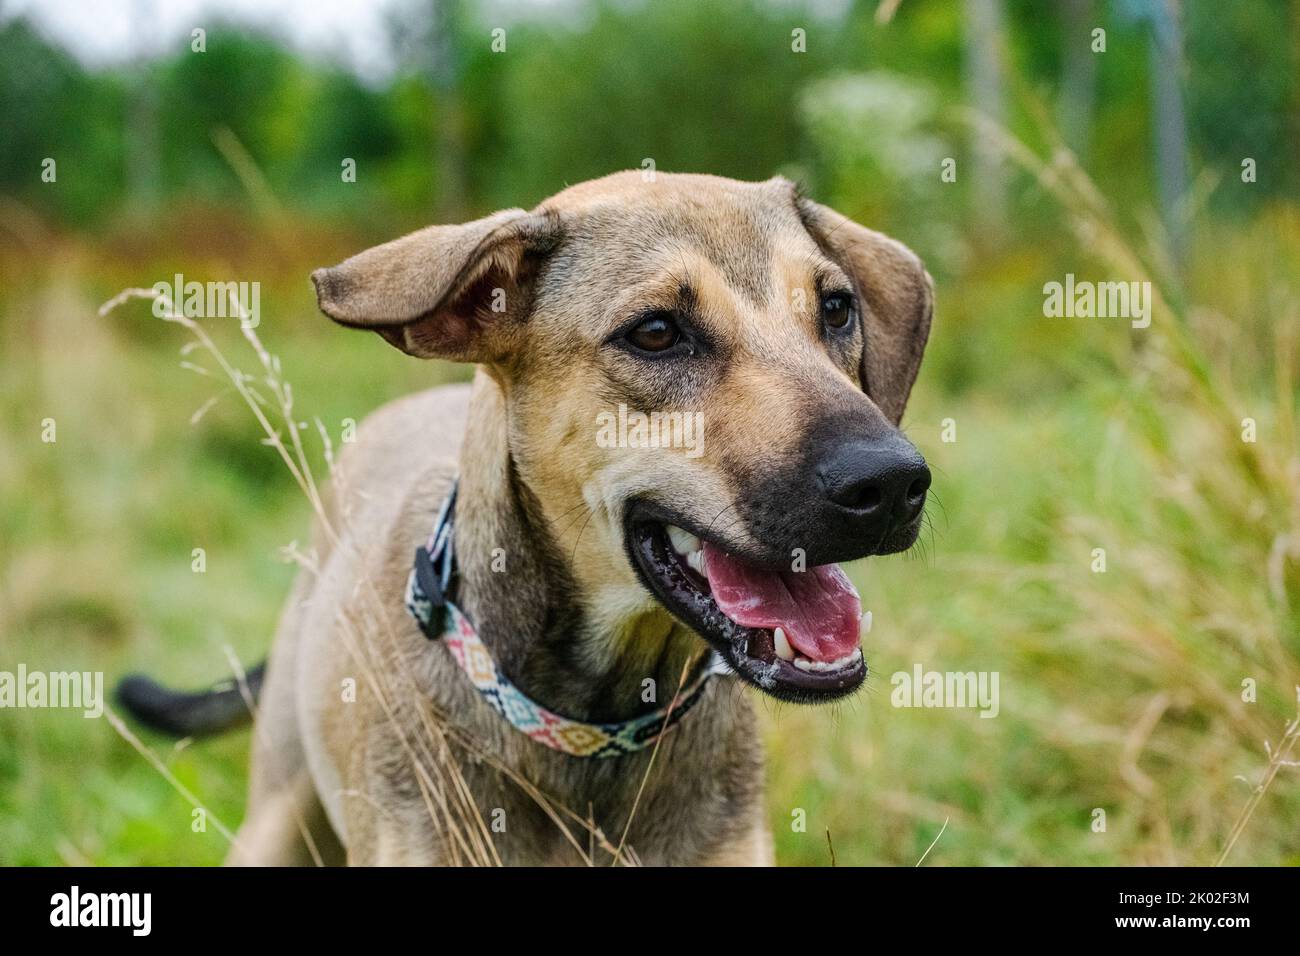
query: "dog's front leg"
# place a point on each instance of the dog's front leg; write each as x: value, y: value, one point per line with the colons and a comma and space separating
x: 395, y: 835
x: 754, y: 848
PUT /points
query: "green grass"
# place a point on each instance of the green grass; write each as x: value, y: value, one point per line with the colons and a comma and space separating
x: 1119, y: 691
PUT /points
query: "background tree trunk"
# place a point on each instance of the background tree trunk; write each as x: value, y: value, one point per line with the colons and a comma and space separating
x: 985, y: 69
x: 142, y: 158
x: 1078, y: 76
x: 451, y: 200
x: 1167, y: 66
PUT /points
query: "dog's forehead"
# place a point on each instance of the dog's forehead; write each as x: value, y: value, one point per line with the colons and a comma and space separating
x: 646, y: 189
x: 632, y: 227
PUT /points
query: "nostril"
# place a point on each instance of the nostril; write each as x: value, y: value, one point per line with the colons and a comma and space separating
x: 917, y: 489
x: 868, y: 498
x: 862, y: 496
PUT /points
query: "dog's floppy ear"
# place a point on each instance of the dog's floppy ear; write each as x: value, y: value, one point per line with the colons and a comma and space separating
x: 896, y: 296
x: 444, y: 291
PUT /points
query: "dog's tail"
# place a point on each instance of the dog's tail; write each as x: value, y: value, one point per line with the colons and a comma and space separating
x: 201, y: 713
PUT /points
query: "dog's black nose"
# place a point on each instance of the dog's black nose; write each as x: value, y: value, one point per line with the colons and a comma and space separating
x: 880, y: 480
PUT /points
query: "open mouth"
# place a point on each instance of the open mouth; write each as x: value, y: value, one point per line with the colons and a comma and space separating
x: 796, y: 634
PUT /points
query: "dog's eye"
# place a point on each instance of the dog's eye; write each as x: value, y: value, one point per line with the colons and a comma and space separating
x: 837, y: 309
x: 657, y: 332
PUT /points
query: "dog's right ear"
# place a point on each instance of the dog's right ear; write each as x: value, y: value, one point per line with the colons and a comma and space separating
x: 451, y: 292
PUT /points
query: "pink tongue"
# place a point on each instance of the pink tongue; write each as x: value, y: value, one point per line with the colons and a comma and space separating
x: 818, y: 609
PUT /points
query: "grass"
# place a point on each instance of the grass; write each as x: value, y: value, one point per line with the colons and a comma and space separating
x: 1121, y: 692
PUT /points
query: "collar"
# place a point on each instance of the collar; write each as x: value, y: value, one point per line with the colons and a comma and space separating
x: 427, y: 598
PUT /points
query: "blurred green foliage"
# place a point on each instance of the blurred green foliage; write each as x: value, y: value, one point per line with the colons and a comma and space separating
x: 704, y: 86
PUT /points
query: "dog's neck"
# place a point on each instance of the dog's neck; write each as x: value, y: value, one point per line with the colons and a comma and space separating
x: 519, y: 585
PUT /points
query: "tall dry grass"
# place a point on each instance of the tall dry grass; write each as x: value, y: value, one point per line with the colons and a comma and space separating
x: 1206, y: 611
x: 434, y: 747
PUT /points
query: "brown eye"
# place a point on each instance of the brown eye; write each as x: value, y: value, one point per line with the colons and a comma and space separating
x: 656, y: 333
x: 837, y: 309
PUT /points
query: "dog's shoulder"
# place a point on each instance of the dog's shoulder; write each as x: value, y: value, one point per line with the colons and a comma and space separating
x: 410, y: 435
x: 402, y: 460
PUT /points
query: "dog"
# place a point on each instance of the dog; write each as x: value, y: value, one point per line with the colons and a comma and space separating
x: 616, y: 589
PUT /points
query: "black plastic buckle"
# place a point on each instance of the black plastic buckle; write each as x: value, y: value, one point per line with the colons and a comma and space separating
x: 429, y: 579
x: 435, y: 565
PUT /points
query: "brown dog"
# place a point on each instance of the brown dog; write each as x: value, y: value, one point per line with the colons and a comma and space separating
x: 685, y: 414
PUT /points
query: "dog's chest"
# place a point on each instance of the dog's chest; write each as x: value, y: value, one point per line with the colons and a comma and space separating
x: 685, y: 805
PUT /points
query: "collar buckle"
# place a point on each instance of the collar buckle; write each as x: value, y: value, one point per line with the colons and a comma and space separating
x: 426, y: 593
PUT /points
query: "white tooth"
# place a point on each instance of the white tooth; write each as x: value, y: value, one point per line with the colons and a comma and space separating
x: 696, y: 560
x: 804, y: 664
x: 683, y: 541
x: 783, y: 648
x: 865, y: 623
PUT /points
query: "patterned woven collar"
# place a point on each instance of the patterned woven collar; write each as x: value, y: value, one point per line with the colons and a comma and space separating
x: 427, y: 600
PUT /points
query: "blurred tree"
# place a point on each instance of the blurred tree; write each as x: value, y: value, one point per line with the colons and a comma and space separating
x: 1243, y: 95
x: 1167, y: 75
x: 51, y: 109
x: 144, y: 146
x: 245, y: 82
x: 690, y: 86
x: 1078, y: 75
x: 433, y: 37
x: 591, y: 86
x: 986, y: 66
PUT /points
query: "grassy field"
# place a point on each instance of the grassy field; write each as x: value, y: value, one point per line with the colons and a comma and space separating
x: 1120, y: 691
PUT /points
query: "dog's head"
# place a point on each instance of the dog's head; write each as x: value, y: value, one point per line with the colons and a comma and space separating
x: 710, y: 374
